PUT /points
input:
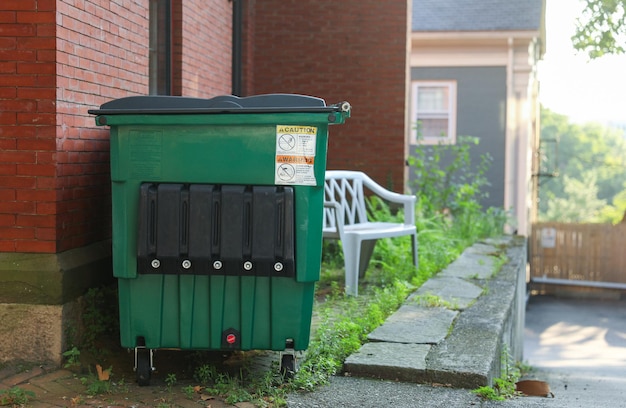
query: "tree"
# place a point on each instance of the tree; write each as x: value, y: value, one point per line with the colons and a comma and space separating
x: 602, y: 28
x: 591, y: 185
x: 581, y: 203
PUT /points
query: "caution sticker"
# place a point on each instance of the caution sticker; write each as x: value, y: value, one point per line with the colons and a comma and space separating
x: 295, y: 155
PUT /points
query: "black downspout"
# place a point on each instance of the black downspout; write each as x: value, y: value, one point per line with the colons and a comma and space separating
x: 236, y: 51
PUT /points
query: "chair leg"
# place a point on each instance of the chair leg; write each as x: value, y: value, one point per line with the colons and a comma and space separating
x: 351, y: 255
x: 367, y: 249
x: 414, y: 244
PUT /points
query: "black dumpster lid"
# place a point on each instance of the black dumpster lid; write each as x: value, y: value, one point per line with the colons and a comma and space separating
x: 268, y: 103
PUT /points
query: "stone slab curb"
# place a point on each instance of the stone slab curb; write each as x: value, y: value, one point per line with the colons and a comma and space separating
x: 462, y: 348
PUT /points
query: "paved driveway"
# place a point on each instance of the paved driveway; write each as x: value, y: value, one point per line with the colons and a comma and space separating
x: 579, y: 347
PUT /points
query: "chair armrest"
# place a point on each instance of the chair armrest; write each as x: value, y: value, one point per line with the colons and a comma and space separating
x: 408, y: 201
x: 337, y: 215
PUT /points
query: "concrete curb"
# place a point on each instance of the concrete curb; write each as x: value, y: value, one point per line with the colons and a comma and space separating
x: 460, y: 345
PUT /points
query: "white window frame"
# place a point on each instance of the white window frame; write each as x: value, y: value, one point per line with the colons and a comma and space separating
x: 449, y: 112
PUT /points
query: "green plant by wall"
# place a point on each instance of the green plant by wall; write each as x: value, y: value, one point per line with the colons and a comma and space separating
x: 445, y: 180
x: 343, y: 329
x: 503, y: 387
x: 100, y: 317
x: 430, y: 300
x: 72, y: 357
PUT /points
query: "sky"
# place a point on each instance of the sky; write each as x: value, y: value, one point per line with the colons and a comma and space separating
x: 572, y: 85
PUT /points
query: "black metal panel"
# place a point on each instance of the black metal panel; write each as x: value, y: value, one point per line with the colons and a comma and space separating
x: 216, y: 229
x: 146, y: 234
x: 204, y: 207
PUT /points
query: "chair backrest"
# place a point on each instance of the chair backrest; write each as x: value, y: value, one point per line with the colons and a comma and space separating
x: 343, y: 190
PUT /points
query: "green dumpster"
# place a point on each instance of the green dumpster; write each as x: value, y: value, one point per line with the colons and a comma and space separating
x: 217, y: 220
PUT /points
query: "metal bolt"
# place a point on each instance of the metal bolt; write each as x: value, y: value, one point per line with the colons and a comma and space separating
x: 186, y: 264
x: 217, y: 265
x: 278, y: 266
x: 155, y: 263
x: 247, y: 265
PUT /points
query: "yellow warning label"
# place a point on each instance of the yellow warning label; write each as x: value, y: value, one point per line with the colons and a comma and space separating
x: 295, y: 159
x: 303, y: 130
x: 295, y: 155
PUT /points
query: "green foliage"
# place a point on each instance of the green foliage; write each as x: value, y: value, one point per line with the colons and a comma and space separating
x: 205, y: 373
x: 343, y: 330
x: 617, y: 212
x: 503, y: 386
x: 170, y: 381
x: 72, y: 357
x: 488, y: 393
x: 580, y: 204
x: 499, y: 261
x: 447, y: 183
x: 96, y: 386
x: 189, y: 391
x: 100, y: 317
x: 15, y: 397
x: 430, y: 300
x: 601, y: 29
x: 591, y: 186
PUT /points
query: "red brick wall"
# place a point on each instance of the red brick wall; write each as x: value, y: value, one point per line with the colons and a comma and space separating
x: 59, y: 58
x: 101, y: 55
x: 354, y: 50
x: 206, y: 43
x: 27, y: 125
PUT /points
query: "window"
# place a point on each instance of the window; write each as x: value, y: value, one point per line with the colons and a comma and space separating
x: 433, y: 112
x: 160, y: 48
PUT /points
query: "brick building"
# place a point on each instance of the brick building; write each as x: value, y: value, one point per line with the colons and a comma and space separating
x: 59, y: 58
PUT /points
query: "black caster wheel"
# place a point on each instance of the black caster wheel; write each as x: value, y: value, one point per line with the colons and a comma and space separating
x: 288, y: 366
x: 144, y: 369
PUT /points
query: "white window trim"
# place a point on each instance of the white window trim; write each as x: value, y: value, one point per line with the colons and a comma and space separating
x: 451, y: 138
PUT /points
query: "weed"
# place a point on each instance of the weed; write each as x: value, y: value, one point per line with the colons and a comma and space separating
x: 523, y: 367
x: 100, y: 317
x: 205, y: 373
x: 503, y: 386
x: 72, y: 355
x: 15, y: 396
x: 97, y: 384
x: 499, y: 261
x: 430, y: 300
x: 190, y: 391
x: 487, y: 392
x: 343, y: 329
x: 170, y: 381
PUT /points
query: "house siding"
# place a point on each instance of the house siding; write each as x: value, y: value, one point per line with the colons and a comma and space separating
x: 481, y: 110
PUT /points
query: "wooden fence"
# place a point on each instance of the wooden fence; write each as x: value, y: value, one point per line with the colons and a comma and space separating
x: 585, y: 255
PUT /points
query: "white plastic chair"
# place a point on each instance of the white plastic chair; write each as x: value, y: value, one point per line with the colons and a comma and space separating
x: 346, y: 219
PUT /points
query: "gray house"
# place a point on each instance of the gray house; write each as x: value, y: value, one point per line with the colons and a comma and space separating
x: 473, y: 73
